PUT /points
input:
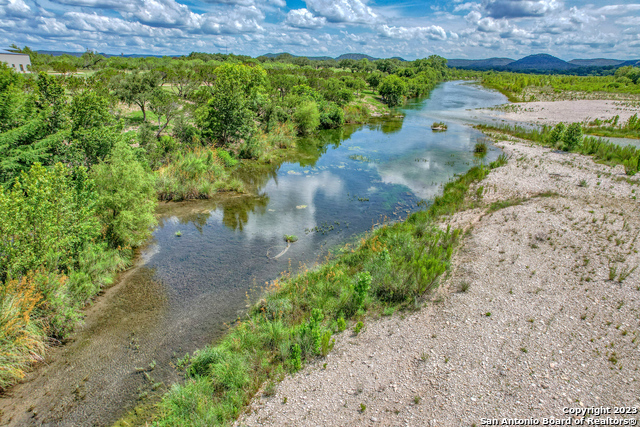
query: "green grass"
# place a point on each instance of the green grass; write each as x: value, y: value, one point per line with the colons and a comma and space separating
x: 394, y: 266
x: 196, y: 174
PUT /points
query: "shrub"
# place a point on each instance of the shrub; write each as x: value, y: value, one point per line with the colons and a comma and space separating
x: 306, y: 117
x: 226, y: 158
x: 557, y: 134
x: 331, y: 117
x: 480, y: 147
x: 572, y: 137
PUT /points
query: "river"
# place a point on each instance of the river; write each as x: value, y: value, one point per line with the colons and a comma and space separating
x: 208, y: 259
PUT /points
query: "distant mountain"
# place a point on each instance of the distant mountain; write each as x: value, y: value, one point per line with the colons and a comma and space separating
x: 633, y: 62
x: 541, y: 61
x: 313, y: 58
x: 356, y: 56
x: 597, y: 62
x: 106, y: 55
x: 59, y: 53
x: 479, y: 63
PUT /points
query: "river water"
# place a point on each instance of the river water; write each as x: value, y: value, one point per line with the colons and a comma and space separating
x: 186, y: 289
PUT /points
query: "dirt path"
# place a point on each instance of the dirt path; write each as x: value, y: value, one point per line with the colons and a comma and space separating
x: 541, y: 327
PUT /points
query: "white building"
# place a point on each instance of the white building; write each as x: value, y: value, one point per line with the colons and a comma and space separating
x: 18, y: 61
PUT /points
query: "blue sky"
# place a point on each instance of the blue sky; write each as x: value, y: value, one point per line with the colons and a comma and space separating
x: 383, y: 28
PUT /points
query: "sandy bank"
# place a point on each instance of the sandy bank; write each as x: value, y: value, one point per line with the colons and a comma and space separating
x: 550, y: 113
x: 540, y: 328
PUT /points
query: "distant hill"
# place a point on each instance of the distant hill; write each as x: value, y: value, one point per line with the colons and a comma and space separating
x: 633, y: 62
x: 356, y: 56
x: 540, y: 61
x: 597, y: 62
x: 479, y: 63
x: 313, y: 58
x: 106, y: 55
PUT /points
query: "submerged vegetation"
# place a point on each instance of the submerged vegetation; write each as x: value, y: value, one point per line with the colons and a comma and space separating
x: 87, y: 153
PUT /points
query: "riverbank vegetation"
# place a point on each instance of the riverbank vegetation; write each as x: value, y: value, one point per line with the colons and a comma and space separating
x: 518, y: 87
x: 393, y: 267
x: 614, y: 128
x: 570, y: 138
x: 88, y: 152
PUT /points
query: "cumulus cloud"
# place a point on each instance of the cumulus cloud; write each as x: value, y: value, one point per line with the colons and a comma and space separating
x: 618, y: 9
x: 15, y: 9
x: 521, y: 8
x: 432, y: 32
x: 466, y: 6
x: 351, y: 11
x: 629, y: 20
x: 161, y: 13
x: 302, y: 18
x: 99, y: 4
x: 239, y: 20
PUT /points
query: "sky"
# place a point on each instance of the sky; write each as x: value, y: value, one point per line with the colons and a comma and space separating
x: 411, y: 29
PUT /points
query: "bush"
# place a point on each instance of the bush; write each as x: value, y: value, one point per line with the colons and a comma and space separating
x: 306, y: 117
x: 557, y: 134
x: 332, y: 117
x: 572, y: 137
x: 226, y: 158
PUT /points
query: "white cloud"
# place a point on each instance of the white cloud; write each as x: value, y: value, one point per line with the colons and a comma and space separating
x: 618, y: 9
x: 238, y: 20
x: 629, y: 20
x: 466, y: 6
x: 521, y: 8
x: 302, y: 18
x: 351, y: 11
x: 432, y: 32
x: 15, y: 9
x: 161, y: 13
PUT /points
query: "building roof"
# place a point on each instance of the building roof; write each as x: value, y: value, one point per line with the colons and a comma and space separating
x: 11, y: 53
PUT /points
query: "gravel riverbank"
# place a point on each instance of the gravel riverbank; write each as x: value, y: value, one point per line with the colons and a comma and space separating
x: 541, y: 312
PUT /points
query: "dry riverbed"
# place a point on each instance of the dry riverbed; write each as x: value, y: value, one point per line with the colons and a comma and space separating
x: 552, y: 112
x: 540, y: 312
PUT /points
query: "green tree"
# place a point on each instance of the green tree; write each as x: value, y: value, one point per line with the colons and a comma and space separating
x: 126, y: 197
x: 136, y: 88
x: 46, y: 219
x: 11, y: 98
x: 228, y: 116
x: 93, y: 127
x: 165, y: 106
x: 392, y: 88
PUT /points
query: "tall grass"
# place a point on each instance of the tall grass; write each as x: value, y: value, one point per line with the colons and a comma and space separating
x: 196, y: 174
x: 22, y: 338
x: 556, y: 137
x: 612, y: 127
x: 393, y: 266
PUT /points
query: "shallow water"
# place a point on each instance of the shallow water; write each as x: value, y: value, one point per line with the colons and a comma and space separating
x: 187, y: 288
